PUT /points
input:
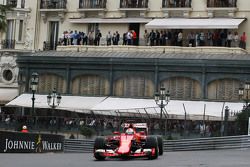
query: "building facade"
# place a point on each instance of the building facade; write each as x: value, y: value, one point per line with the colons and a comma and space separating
x: 137, y: 74
x: 39, y: 24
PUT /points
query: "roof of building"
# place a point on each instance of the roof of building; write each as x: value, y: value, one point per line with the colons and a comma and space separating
x: 143, y: 55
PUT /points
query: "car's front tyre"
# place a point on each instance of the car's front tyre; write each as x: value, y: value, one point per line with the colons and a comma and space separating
x: 99, y: 144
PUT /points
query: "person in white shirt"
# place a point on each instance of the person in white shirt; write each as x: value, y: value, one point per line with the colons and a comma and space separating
x: 235, y: 40
x: 229, y: 39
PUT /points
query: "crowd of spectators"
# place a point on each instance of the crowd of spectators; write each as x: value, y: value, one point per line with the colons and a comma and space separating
x: 104, y: 124
x: 223, y: 38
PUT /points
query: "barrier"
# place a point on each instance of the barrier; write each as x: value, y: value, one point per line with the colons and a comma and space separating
x: 17, y: 142
x: 213, y: 143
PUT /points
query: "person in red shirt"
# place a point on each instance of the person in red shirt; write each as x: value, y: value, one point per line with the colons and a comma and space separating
x: 24, y: 129
x: 134, y: 37
x: 243, y: 40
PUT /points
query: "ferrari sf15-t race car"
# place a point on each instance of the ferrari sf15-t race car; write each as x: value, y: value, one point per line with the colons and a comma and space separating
x: 133, y: 142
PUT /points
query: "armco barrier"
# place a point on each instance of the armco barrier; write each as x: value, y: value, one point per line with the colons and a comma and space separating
x: 213, y: 143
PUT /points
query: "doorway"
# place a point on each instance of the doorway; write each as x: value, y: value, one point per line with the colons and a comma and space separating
x: 53, y: 34
x: 136, y: 28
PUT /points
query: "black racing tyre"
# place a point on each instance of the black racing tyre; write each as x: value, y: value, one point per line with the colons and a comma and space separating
x: 160, y: 145
x: 99, y: 144
x: 151, y: 142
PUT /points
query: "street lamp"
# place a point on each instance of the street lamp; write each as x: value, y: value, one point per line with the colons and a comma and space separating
x: 53, y: 101
x: 161, y: 99
x: 33, y: 86
x: 244, y: 93
x: 226, y: 120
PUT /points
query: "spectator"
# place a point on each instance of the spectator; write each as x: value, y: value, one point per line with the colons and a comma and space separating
x: 243, y: 40
x: 24, y: 129
x: 146, y: 38
x: 202, y: 38
x: 108, y: 38
x: 229, y: 39
x: 91, y: 37
x: 134, y: 38
x: 209, y: 38
x: 129, y: 36
x: 235, y: 39
x: 124, y: 39
x: 179, y: 38
x: 191, y: 39
x: 98, y: 37
x: 84, y: 39
x: 152, y: 38
x: 117, y: 37
x: 114, y: 38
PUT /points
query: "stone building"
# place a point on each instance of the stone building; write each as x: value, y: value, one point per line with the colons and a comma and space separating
x: 33, y: 22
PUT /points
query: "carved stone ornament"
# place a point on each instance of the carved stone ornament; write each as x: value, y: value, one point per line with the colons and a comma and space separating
x: 8, y: 68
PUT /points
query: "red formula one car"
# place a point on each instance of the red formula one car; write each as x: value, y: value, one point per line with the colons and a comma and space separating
x: 133, y: 142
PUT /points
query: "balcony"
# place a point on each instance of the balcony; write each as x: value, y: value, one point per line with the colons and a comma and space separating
x: 176, y: 8
x: 94, y: 5
x: 133, y: 4
x: 176, y: 3
x: 136, y: 6
x: 221, y: 8
x: 221, y: 3
x: 14, y: 3
x: 57, y: 6
x: 53, y: 4
x: 8, y: 44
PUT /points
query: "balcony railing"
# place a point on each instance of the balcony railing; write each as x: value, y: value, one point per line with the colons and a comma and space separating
x: 53, y: 4
x: 133, y: 3
x: 221, y: 3
x: 8, y: 44
x: 88, y: 4
x: 13, y: 3
x: 176, y: 3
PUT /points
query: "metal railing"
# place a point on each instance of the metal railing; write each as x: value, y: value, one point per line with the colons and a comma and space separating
x: 86, y: 4
x: 215, y: 143
x: 8, y: 44
x: 12, y: 3
x: 221, y: 3
x: 133, y: 3
x: 176, y: 3
x: 53, y: 4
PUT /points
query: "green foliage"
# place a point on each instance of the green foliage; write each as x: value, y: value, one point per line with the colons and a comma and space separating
x: 87, y: 131
x: 242, y: 121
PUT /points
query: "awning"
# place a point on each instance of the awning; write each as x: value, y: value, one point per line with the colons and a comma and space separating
x: 182, y: 23
x: 103, y: 20
x: 195, y: 110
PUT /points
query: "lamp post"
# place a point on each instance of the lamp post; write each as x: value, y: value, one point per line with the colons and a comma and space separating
x: 226, y: 120
x: 161, y: 99
x: 244, y: 93
x: 53, y: 101
x: 33, y: 86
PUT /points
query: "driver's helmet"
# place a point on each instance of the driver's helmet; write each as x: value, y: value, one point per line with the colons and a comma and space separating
x: 130, y: 131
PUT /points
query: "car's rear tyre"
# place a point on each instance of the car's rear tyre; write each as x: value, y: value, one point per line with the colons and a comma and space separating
x: 99, y: 144
x: 151, y: 143
x: 160, y: 144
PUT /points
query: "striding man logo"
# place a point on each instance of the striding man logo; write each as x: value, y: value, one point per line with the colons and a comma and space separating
x: 39, y: 145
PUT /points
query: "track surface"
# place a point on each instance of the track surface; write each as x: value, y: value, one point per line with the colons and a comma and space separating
x: 218, y: 158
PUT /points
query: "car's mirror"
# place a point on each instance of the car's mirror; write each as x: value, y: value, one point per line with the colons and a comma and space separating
x: 116, y: 133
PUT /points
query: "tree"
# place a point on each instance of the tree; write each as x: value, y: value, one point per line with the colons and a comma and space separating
x: 3, y: 22
x: 87, y: 131
x: 242, y: 121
